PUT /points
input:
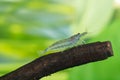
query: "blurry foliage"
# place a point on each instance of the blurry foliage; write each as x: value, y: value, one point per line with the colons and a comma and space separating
x: 108, y: 69
x: 27, y: 26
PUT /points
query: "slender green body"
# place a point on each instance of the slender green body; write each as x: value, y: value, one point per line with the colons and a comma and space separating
x: 65, y: 43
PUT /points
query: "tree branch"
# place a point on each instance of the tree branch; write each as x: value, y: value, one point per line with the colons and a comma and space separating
x: 52, y: 63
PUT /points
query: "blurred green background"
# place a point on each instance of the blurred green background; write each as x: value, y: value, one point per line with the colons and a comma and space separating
x: 27, y: 26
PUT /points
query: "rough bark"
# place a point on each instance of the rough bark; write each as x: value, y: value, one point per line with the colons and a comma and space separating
x: 52, y: 63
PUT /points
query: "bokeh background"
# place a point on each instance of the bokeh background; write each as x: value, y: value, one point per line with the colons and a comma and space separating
x: 27, y: 26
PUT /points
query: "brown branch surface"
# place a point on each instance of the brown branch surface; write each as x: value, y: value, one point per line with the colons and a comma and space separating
x: 52, y: 63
